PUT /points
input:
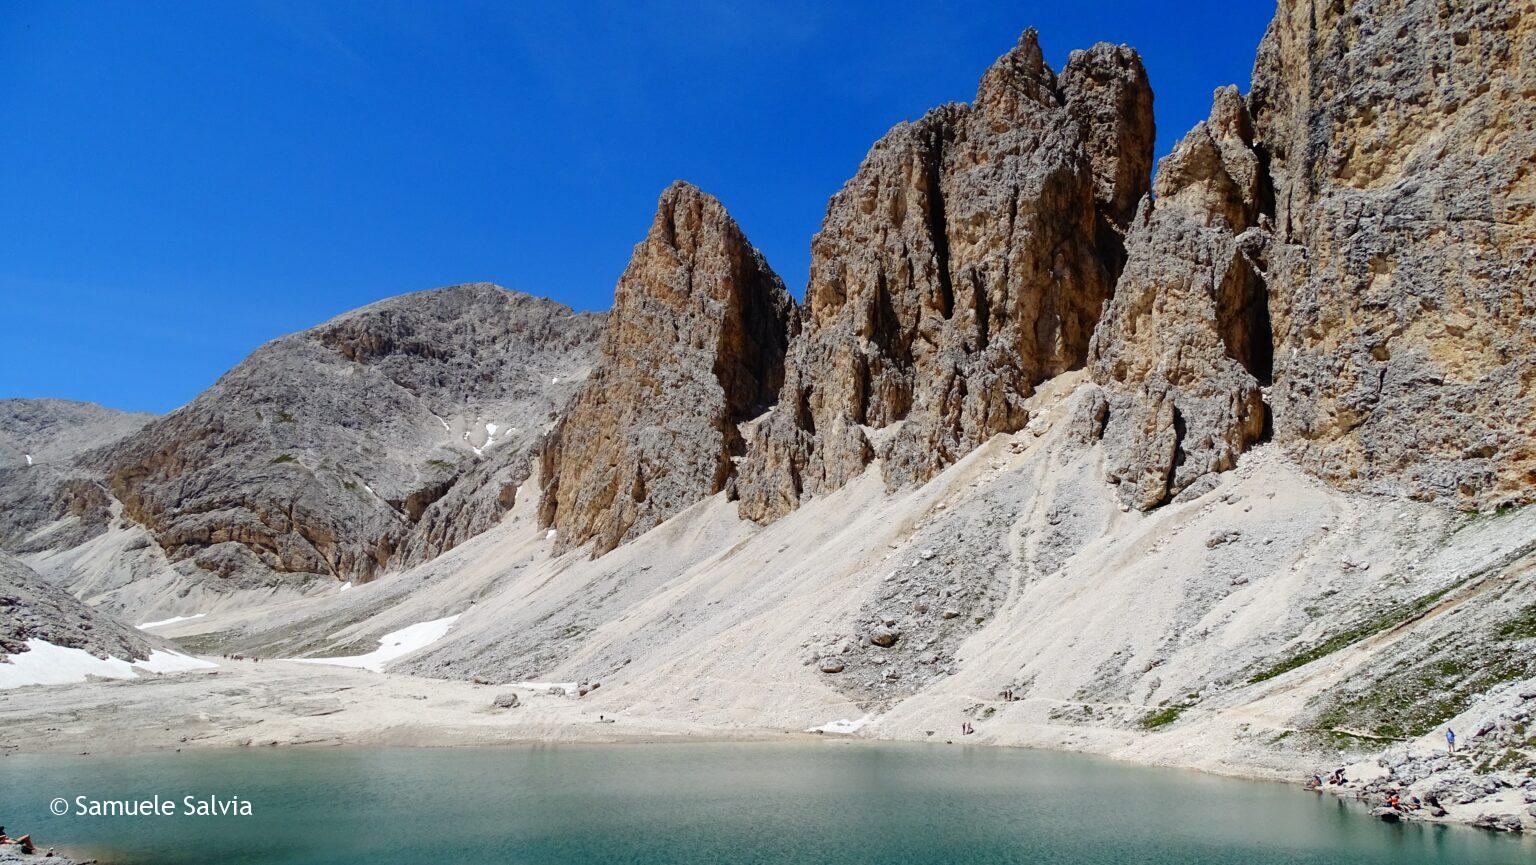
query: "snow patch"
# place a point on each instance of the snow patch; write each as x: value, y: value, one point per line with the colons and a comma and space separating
x: 44, y: 663
x: 395, y: 644
x: 29, y: 458
x: 842, y: 725
x: 550, y: 535
x: 570, y: 687
x: 344, y: 587
x: 171, y: 621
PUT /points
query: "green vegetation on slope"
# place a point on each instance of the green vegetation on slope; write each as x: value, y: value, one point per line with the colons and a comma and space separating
x: 1375, y: 625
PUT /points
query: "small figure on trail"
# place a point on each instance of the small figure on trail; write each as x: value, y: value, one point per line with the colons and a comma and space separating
x: 1450, y: 740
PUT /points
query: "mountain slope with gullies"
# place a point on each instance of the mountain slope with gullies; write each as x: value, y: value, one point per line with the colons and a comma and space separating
x: 46, y: 500
x: 373, y: 441
x: 326, y: 452
x: 1229, y: 468
x: 36, y: 431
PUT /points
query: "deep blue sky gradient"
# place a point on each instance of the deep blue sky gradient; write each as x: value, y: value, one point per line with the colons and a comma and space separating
x: 184, y: 181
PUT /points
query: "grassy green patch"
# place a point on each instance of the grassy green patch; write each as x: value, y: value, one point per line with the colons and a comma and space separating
x: 1162, y: 717
x: 439, y: 464
x: 1510, y: 760
x: 1521, y: 627
x: 285, y: 417
x: 1416, y: 699
x: 1375, y: 625
x: 211, y: 643
x: 284, y: 458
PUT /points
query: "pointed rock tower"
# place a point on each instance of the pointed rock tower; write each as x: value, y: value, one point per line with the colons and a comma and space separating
x: 1185, y: 345
x: 965, y: 262
x: 695, y: 346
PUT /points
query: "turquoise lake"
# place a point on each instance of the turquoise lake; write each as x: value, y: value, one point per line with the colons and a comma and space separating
x: 823, y: 803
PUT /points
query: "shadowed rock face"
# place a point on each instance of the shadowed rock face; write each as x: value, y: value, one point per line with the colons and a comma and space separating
x: 965, y: 262
x: 695, y: 346
x: 379, y: 438
x: 1185, y: 347
x: 1400, y: 136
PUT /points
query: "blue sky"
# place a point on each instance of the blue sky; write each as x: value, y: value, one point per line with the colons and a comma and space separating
x: 184, y: 181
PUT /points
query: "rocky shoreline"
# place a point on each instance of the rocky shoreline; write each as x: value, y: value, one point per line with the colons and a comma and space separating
x: 1486, y: 782
x: 11, y: 856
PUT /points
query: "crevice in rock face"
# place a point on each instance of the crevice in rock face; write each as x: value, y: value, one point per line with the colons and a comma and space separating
x: 983, y: 314
x: 1247, y: 333
x: 1262, y: 358
x: 938, y: 226
x: 1179, y: 431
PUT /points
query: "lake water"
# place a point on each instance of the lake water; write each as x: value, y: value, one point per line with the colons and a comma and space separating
x: 833, y: 802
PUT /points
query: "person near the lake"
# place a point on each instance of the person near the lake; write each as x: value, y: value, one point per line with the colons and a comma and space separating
x: 1450, y: 740
x: 24, y: 842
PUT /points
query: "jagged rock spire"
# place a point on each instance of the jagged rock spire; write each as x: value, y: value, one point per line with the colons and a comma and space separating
x: 695, y: 345
x: 1184, y: 347
x: 965, y: 262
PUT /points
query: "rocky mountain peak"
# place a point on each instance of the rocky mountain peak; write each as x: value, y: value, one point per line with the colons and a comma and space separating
x: 35, y: 431
x: 694, y: 346
x: 1106, y: 87
x: 331, y: 451
x: 1213, y: 174
x: 965, y: 262
x: 1017, y: 80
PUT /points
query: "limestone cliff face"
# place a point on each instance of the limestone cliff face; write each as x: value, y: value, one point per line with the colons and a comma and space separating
x: 695, y: 346
x: 1401, y: 136
x: 1184, y: 347
x: 965, y: 262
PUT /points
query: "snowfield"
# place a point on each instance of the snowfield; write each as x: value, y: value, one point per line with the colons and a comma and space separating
x: 171, y: 621
x: 842, y: 725
x: 396, y: 644
x: 47, y: 664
